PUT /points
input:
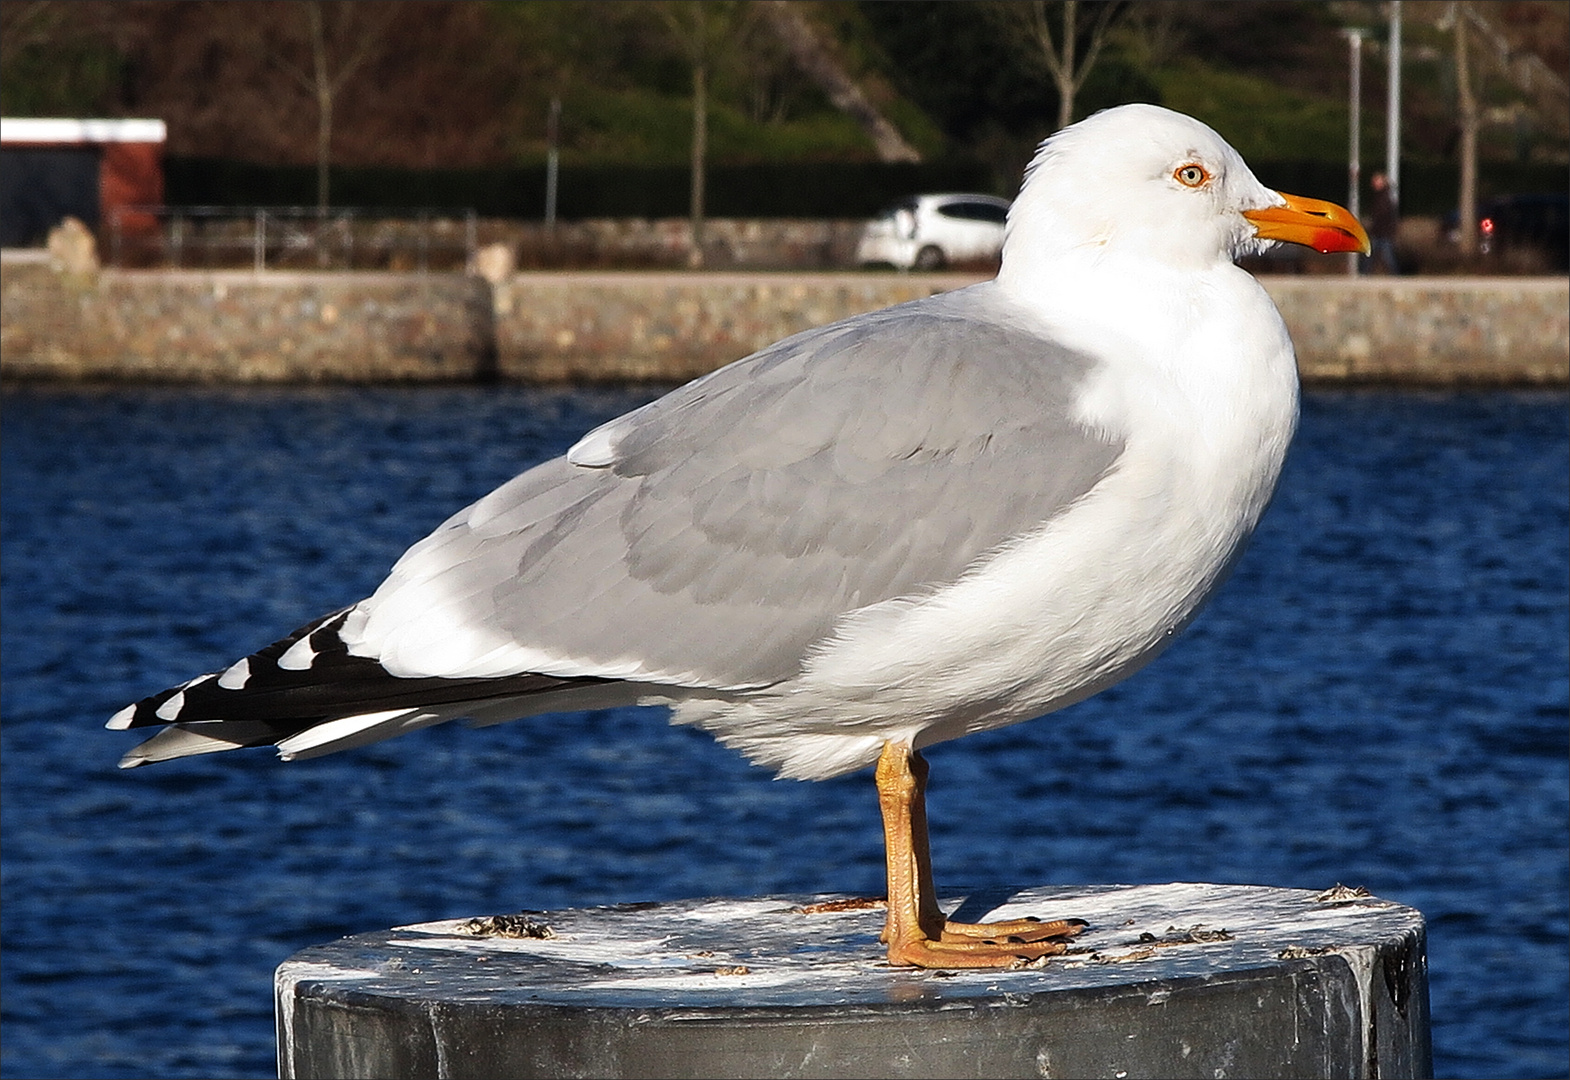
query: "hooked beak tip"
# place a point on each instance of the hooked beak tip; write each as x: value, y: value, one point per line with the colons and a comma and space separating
x: 1323, y: 226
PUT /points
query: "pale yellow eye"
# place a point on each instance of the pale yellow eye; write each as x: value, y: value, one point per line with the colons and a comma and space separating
x: 1191, y: 175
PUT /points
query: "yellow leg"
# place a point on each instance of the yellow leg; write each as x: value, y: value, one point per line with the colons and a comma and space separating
x: 916, y: 932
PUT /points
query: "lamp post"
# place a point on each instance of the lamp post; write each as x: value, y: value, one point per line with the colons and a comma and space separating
x: 552, y: 156
x: 1393, y: 105
x: 1354, y: 38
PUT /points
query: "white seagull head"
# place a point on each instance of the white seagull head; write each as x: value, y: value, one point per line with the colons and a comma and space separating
x: 1142, y: 182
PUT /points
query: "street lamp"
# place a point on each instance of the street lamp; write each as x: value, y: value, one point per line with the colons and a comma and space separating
x: 1393, y: 105
x: 1354, y: 37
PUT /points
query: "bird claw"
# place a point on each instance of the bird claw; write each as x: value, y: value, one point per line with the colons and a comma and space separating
x: 1013, y: 931
x: 1011, y: 944
x: 926, y: 953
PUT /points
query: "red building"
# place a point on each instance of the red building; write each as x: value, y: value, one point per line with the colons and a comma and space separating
x: 88, y: 169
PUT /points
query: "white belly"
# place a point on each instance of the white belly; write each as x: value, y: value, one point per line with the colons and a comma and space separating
x: 1064, y: 612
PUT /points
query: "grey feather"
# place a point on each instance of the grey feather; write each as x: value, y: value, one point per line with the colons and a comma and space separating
x: 720, y: 531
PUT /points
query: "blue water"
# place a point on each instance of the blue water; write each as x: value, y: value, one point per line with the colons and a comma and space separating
x: 1378, y: 698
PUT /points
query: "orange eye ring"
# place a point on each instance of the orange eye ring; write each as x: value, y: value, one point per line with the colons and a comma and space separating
x: 1191, y: 175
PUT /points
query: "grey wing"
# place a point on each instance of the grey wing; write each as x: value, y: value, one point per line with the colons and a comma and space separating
x: 711, y: 537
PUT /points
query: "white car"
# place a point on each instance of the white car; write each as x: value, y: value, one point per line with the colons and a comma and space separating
x: 929, y: 232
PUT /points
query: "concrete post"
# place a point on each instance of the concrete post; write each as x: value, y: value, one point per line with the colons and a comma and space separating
x: 1170, y: 981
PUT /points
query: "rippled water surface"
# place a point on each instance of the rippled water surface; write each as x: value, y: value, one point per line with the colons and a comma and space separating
x: 1378, y: 698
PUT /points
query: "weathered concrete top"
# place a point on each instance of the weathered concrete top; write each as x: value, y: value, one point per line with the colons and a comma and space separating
x: 1187, y: 968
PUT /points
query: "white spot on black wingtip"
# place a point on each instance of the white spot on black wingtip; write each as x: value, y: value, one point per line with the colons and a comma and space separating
x: 121, y: 721
x: 299, y: 656
x: 170, y: 710
x: 237, y: 676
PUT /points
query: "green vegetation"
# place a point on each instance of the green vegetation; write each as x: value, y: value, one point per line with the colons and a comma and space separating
x: 1261, y: 119
x: 72, y: 78
x: 638, y: 126
x: 467, y: 84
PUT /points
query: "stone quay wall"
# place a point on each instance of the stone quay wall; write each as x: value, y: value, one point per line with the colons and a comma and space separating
x: 238, y: 326
x: 613, y: 327
x: 728, y: 243
x: 1435, y: 331
x: 234, y: 326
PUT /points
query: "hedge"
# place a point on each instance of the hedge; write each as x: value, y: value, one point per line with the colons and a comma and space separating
x: 799, y: 190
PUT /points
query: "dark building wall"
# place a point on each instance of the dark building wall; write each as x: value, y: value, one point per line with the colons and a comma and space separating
x: 39, y: 185
x: 42, y: 183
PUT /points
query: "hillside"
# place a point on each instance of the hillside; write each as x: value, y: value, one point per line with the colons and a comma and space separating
x: 466, y: 85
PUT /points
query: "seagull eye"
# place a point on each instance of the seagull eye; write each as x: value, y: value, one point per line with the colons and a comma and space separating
x: 1191, y: 175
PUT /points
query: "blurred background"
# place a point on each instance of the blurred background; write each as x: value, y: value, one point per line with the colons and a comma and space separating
x: 827, y: 109
x: 1378, y: 697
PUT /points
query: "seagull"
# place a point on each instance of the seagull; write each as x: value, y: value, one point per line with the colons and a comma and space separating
x: 940, y: 518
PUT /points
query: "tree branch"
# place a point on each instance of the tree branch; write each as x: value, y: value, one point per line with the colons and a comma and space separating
x: 814, y: 59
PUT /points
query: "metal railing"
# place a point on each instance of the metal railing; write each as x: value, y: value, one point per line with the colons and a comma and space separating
x: 292, y: 237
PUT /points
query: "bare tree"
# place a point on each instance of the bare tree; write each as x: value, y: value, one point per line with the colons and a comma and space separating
x: 1531, y: 75
x: 815, y: 60
x: 1031, y: 22
x: 700, y: 29
x: 340, y: 44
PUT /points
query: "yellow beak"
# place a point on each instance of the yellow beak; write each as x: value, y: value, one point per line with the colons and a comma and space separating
x: 1323, y: 226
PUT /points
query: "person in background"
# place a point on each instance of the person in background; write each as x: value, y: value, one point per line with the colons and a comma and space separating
x: 1382, y: 222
